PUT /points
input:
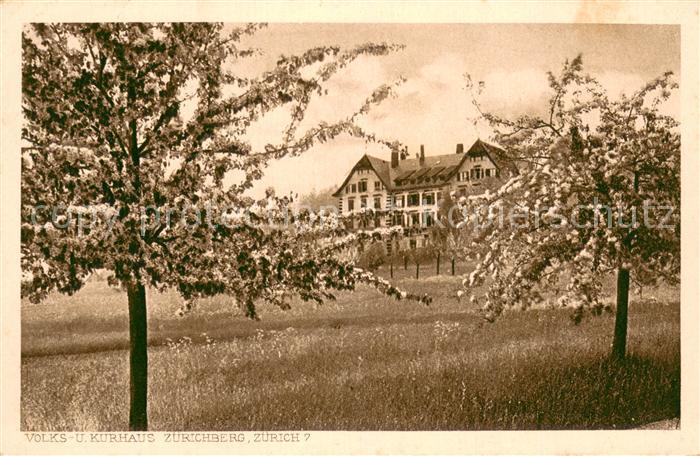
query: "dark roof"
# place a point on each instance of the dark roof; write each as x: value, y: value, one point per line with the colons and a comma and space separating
x: 434, y: 171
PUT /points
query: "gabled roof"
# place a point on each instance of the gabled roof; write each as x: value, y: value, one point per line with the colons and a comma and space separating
x: 380, y: 167
x: 497, y: 155
x: 435, y: 170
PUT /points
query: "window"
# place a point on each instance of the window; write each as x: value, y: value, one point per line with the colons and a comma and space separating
x: 398, y: 201
x: 347, y: 189
x: 354, y: 188
x: 377, y: 185
x: 413, y: 199
x: 412, y: 243
x: 377, y: 202
x: 476, y: 173
x: 415, y: 218
x: 462, y: 176
x: 498, y: 173
x: 487, y: 172
x: 428, y: 199
x: 428, y: 219
x: 362, y: 186
x: 377, y: 221
x: 351, y: 204
x: 363, y: 202
x: 397, y: 219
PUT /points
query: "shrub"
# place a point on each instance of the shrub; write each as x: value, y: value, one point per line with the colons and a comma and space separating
x: 373, y: 257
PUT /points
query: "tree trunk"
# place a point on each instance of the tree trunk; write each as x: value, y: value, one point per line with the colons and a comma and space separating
x: 623, y: 292
x: 138, y: 358
x: 391, y: 268
x: 417, y: 269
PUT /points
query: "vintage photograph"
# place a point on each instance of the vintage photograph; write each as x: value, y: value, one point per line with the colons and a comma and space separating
x: 349, y: 227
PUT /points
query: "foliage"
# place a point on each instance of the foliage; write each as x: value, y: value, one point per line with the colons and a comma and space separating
x: 318, y: 199
x: 373, y: 256
x: 421, y: 254
x: 588, y: 167
x: 103, y: 107
x: 445, y: 234
x: 164, y: 189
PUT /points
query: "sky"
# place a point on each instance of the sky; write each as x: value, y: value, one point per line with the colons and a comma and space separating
x: 432, y: 107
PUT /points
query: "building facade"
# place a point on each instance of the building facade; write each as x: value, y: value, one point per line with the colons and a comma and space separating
x: 408, y: 191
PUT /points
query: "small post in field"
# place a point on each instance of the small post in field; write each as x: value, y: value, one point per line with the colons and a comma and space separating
x: 453, y: 265
x: 405, y: 262
x: 438, y: 264
x: 391, y: 268
x: 417, y: 269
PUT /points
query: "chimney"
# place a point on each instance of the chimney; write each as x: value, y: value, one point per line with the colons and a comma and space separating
x: 421, y: 158
x: 394, y: 158
x: 460, y: 148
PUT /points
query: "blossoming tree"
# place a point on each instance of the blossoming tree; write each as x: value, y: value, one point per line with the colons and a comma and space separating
x: 598, y: 192
x: 115, y: 177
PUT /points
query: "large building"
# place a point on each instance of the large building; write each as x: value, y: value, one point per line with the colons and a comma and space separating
x: 408, y: 191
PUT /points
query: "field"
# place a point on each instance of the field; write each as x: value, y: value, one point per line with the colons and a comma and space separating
x: 363, y: 362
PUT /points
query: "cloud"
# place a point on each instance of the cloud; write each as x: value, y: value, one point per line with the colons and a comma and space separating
x: 516, y: 93
x: 346, y: 92
x: 432, y: 108
x: 325, y: 164
x: 617, y: 83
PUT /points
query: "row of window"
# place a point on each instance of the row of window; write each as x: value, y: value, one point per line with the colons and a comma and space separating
x: 410, y: 200
x: 361, y: 187
x: 414, y: 199
x: 423, y: 219
x: 363, y: 203
x: 476, y: 174
x: 413, y: 218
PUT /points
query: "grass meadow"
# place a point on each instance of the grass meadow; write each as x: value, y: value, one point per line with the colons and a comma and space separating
x: 363, y: 362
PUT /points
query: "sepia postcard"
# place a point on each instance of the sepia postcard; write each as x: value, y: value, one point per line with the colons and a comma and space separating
x: 349, y: 227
